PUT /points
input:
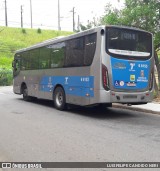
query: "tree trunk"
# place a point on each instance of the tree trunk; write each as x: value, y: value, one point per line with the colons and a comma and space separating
x: 155, y: 86
x: 158, y: 67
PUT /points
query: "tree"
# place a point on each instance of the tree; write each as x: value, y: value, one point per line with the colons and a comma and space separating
x: 90, y: 24
x: 112, y: 16
x: 143, y: 14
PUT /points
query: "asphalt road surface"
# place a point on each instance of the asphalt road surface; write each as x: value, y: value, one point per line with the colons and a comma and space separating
x: 36, y: 131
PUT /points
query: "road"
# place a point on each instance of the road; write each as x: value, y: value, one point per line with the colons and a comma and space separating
x: 36, y: 131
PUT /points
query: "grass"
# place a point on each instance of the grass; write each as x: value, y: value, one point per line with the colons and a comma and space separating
x: 12, y: 39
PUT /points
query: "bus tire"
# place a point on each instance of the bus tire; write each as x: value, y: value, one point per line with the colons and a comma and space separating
x: 59, y: 98
x: 25, y: 93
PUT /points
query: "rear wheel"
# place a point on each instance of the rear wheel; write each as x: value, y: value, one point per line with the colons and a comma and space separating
x: 59, y: 98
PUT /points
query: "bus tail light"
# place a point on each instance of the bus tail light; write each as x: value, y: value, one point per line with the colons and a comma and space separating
x: 151, y: 81
x: 105, y: 77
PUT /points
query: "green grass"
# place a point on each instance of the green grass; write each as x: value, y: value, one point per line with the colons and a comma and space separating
x: 12, y: 39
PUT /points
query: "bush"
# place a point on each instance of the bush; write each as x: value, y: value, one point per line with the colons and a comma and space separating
x: 39, y: 31
x: 24, y: 31
x: 5, y: 77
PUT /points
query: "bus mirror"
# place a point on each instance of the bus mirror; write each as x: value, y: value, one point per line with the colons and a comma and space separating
x: 102, y: 32
x: 12, y: 64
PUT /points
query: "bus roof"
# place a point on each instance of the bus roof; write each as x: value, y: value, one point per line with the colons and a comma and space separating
x: 75, y: 35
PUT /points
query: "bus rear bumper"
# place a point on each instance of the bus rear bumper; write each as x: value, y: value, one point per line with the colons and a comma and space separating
x: 128, y: 97
x: 125, y: 97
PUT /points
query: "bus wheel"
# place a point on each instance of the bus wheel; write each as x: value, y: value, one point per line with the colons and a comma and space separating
x: 59, y: 98
x: 25, y: 94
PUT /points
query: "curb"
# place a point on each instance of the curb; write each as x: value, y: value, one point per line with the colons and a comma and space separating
x: 119, y: 106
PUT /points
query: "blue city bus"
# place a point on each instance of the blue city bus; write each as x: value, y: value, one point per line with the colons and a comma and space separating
x: 100, y: 66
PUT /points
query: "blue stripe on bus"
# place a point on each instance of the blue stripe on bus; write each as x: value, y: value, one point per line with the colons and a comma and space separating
x: 73, y: 85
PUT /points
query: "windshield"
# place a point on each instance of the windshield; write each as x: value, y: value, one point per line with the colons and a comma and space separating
x: 128, y: 42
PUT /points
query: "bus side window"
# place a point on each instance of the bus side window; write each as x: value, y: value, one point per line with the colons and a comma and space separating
x: 44, y: 58
x: 17, y: 62
x: 25, y: 61
x: 90, y: 47
x: 57, y: 55
x: 23, y: 67
x: 75, y: 52
x: 34, y: 57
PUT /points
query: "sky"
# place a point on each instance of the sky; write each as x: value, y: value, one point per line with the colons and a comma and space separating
x: 45, y: 12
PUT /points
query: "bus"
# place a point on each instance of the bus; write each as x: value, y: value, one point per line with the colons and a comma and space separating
x: 99, y: 66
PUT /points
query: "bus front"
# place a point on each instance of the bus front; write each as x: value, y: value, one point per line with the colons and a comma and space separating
x: 128, y: 65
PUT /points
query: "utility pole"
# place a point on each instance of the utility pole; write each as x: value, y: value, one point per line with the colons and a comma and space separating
x: 6, y: 21
x: 94, y: 21
x: 21, y: 16
x: 73, y: 19
x: 78, y: 27
x: 31, y: 12
x: 59, y: 27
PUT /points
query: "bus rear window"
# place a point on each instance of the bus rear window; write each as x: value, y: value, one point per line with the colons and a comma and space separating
x: 128, y: 42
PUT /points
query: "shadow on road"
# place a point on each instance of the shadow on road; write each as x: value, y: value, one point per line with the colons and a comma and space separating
x: 94, y: 112
x: 108, y: 113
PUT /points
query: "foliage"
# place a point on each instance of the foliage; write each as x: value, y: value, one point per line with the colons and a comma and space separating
x: 39, y: 31
x: 143, y: 14
x: 23, y: 31
x: 158, y: 53
x: 93, y: 23
x: 83, y: 27
x: 112, y: 16
x: 157, y: 40
x: 5, y: 76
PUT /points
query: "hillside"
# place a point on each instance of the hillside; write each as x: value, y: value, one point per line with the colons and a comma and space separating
x: 12, y: 39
